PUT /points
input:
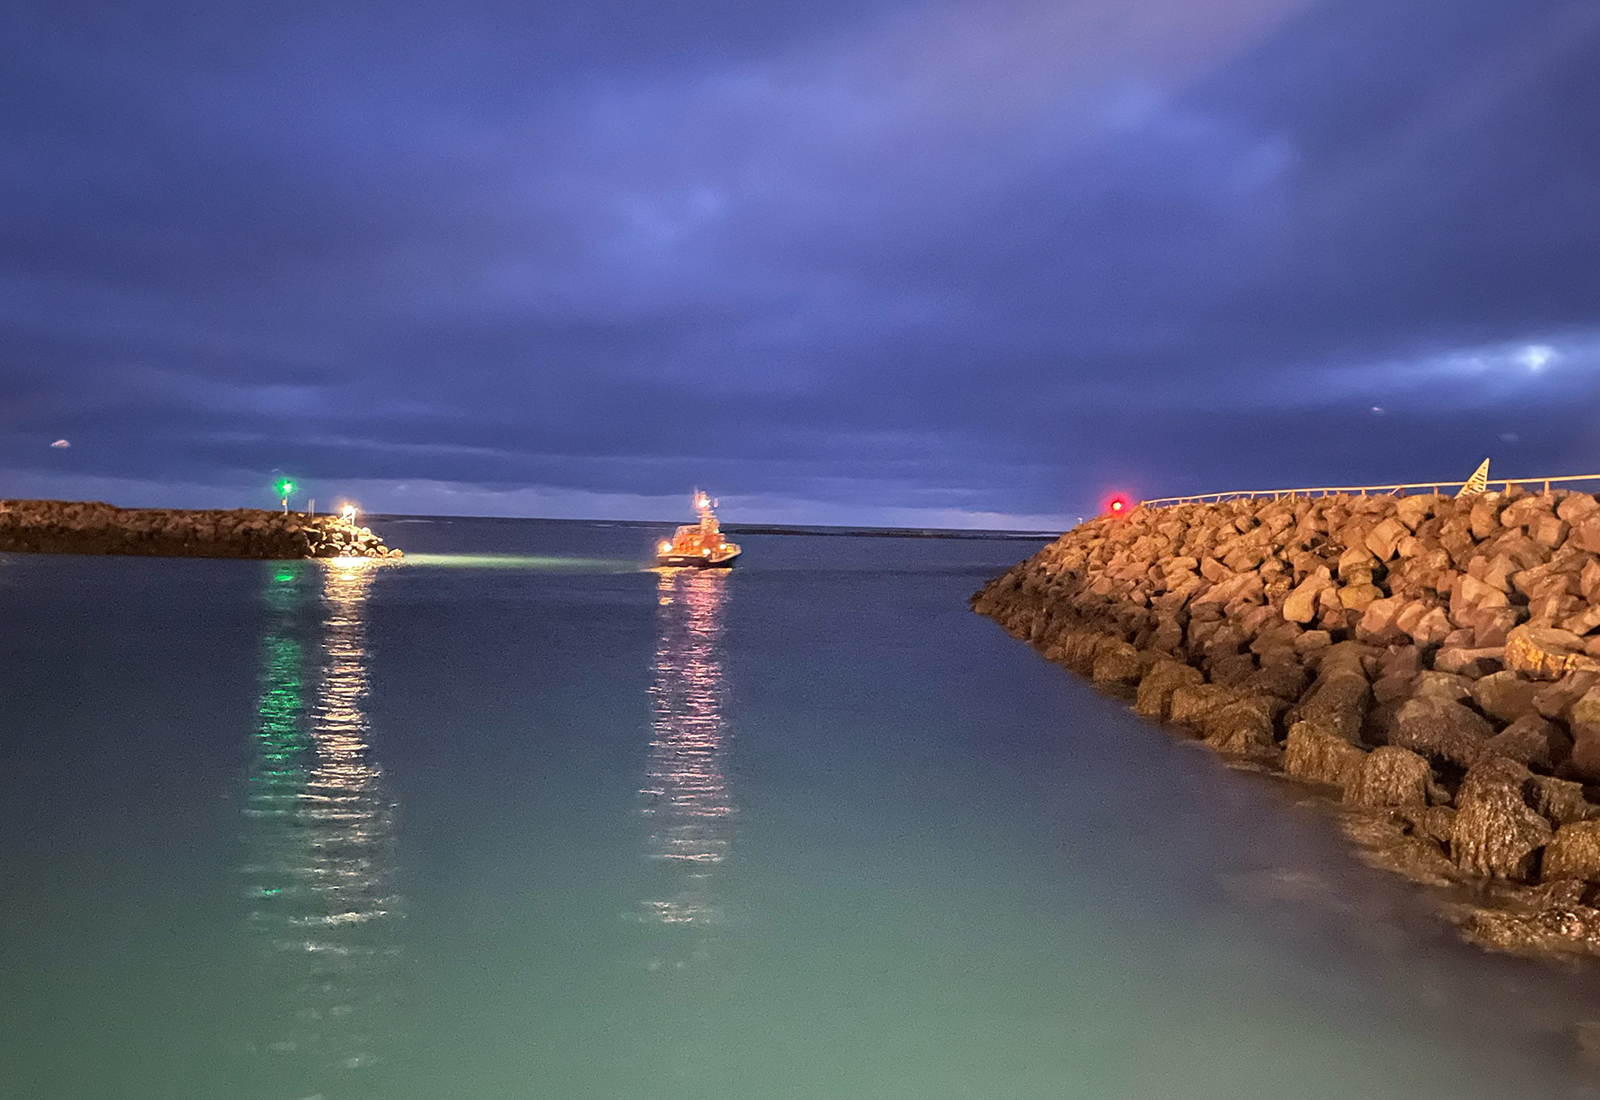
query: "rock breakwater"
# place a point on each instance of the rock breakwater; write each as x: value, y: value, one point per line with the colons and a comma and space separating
x: 1430, y: 665
x: 72, y: 527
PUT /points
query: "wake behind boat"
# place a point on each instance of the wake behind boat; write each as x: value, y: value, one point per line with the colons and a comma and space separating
x: 700, y: 545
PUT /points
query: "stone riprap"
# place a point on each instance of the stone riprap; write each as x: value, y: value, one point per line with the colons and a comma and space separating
x: 1432, y: 664
x: 75, y: 527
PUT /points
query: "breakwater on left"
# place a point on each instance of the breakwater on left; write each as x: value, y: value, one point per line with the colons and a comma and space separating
x: 93, y: 527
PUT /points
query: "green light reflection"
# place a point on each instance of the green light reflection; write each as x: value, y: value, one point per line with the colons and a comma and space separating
x: 320, y: 863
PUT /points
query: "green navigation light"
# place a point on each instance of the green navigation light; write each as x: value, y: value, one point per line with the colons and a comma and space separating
x: 283, y: 486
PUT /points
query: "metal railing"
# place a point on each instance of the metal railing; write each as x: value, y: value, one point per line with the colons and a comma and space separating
x: 1364, y: 490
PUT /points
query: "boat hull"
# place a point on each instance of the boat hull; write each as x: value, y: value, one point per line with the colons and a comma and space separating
x: 695, y: 561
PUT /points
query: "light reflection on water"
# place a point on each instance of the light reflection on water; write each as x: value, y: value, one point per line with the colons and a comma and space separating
x: 321, y: 834
x: 687, y: 802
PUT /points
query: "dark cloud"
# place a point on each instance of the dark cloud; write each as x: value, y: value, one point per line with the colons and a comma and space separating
x: 836, y: 261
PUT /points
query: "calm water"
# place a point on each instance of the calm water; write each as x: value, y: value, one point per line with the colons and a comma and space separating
x: 521, y: 819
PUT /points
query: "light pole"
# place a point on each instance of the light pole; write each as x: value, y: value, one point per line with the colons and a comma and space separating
x: 284, y: 486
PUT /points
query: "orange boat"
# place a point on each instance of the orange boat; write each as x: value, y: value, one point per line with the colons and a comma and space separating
x: 702, y: 544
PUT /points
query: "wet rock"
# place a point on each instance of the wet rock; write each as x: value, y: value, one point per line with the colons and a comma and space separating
x: 1313, y: 754
x: 1583, y: 719
x: 1389, y: 776
x: 1156, y: 688
x: 1574, y: 852
x: 1493, y: 771
x: 1242, y: 728
x: 1192, y: 706
x: 1118, y: 666
x: 1442, y: 729
x: 1559, y: 801
x: 1497, y: 834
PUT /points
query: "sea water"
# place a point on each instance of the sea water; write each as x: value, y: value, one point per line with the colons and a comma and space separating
x: 522, y: 817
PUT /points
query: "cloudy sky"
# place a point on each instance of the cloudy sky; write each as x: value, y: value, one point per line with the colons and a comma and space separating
x: 971, y: 263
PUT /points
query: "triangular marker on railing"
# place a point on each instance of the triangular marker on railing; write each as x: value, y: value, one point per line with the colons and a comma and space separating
x: 1477, y: 483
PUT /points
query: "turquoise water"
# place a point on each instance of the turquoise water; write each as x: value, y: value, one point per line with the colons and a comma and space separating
x: 520, y: 818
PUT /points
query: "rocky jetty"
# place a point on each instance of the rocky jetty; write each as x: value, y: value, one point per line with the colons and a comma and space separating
x: 70, y: 527
x: 1429, y: 665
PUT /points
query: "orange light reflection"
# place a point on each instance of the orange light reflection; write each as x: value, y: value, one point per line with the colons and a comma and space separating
x: 686, y: 793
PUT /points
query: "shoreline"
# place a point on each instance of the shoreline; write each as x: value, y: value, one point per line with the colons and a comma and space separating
x: 94, y: 527
x: 1420, y: 666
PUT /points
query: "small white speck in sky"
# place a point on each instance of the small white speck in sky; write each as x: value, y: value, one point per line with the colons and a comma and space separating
x: 61, y: 443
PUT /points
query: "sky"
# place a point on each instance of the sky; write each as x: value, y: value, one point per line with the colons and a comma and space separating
x: 975, y: 264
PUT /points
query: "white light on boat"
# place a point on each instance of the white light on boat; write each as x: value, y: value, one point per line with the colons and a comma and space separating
x: 665, y: 546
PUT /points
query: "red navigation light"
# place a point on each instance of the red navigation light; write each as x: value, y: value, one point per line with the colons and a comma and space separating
x: 1117, y: 506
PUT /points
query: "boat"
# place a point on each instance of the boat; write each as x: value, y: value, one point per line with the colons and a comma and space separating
x: 699, y: 545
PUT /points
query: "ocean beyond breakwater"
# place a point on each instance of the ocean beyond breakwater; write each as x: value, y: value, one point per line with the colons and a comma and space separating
x: 1429, y: 665
x: 93, y: 527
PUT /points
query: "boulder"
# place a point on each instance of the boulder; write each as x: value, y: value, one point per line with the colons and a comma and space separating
x: 1534, y: 741
x: 1412, y: 510
x: 1301, y: 604
x: 1559, y: 801
x: 1316, y: 755
x: 1118, y: 665
x: 1389, y: 776
x: 1378, y: 624
x: 1337, y: 704
x: 1312, y: 642
x: 1555, y: 701
x: 1585, y: 620
x: 1441, y: 728
x: 1585, y: 534
x: 1576, y: 507
x: 1589, y: 580
x: 1193, y: 705
x: 1358, y: 597
x: 1574, y: 852
x: 1155, y: 690
x: 1544, y: 653
x: 1466, y: 661
x: 1496, y: 833
x: 1505, y: 695
x: 1441, y: 685
x: 1430, y: 627
x: 1384, y: 539
x: 1243, y: 728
